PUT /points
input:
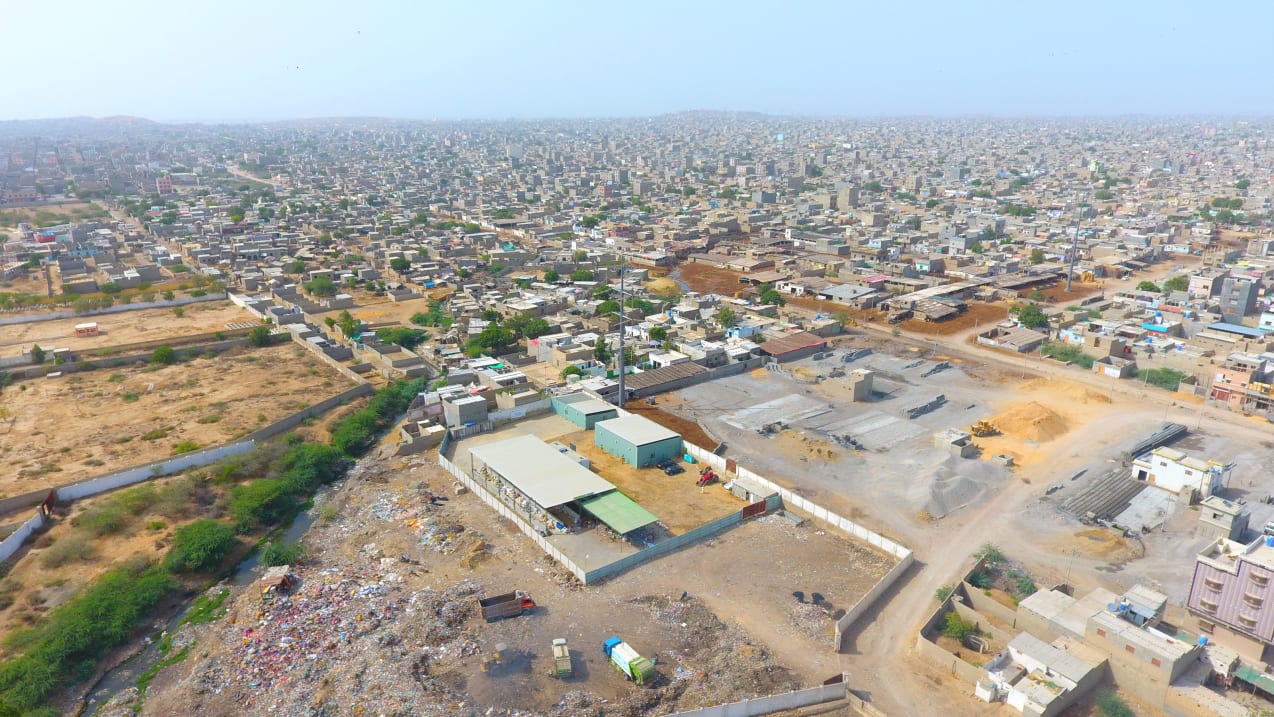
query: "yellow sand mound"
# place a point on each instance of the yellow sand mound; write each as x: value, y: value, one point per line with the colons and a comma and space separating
x: 1066, y: 389
x: 662, y: 285
x: 1031, y: 421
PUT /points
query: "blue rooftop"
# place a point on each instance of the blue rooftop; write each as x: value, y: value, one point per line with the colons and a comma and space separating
x: 1236, y: 329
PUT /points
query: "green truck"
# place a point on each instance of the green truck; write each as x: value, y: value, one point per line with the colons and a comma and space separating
x: 625, y: 659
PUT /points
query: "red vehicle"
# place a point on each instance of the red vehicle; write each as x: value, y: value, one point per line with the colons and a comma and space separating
x: 706, y: 476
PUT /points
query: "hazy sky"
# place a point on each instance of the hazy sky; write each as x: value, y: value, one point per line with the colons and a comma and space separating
x: 273, y: 59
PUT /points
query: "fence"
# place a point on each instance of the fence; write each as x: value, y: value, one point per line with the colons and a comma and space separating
x: 49, y: 316
x: 774, y: 703
x: 15, y: 540
x: 520, y: 412
x: 344, y: 370
x: 137, y: 474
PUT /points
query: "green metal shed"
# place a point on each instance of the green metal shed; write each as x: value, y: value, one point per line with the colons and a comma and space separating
x: 583, y: 410
x: 639, y: 441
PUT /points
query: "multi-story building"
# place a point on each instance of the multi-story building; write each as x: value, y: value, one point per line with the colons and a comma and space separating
x: 1232, y: 595
x: 1245, y: 382
x: 1238, y: 298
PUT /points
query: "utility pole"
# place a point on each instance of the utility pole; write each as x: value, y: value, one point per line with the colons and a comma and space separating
x: 622, y: 317
x: 1070, y: 271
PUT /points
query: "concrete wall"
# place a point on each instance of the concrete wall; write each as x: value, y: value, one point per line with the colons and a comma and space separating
x: 317, y: 351
x: 986, y: 605
x: 138, y: 474
x: 10, y: 545
x: 519, y: 412
x: 773, y: 703
x: 26, y: 500
x: 118, y: 308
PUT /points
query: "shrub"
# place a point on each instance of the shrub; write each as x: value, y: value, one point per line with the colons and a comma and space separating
x: 156, y: 433
x: 957, y: 627
x: 186, y: 447
x: 77, y: 633
x: 176, y: 497
x: 259, y: 336
x: 307, y: 465
x: 163, y: 356
x: 103, y: 519
x: 130, y: 397
x: 943, y: 592
x: 990, y: 554
x: 76, y: 546
x: 328, y: 511
x: 276, y: 553
x: 260, y: 502
x: 200, y: 546
x: 136, y: 500
x: 980, y: 580
x: 1110, y: 704
x: 1069, y: 353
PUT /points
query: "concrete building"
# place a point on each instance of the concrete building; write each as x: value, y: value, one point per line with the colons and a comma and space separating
x: 1039, y: 679
x: 1238, y: 298
x: 1223, y: 518
x: 1174, y: 471
x: 583, y: 410
x: 639, y: 441
x: 1232, y: 595
x: 464, y: 410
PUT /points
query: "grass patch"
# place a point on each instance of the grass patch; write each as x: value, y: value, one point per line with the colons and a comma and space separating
x: 116, y: 378
x: 1166, y: 378
x: 156, y: 434
x: 210, y: 418
x: 130, y: 397
x: 72, y: 548
x: 206, y: 609
x: 186, y: 447
x: 1068, y: 353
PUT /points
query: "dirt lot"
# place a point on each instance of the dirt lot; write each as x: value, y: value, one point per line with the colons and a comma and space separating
x: 688, y: 429
x: 124, y: 328
x: 678, y: 503
x: 90, y: 423
x: 707, y: 279
x: 380, y: 310
x: 48, y: 214
x: 370, y: 634
x: 978, y: 314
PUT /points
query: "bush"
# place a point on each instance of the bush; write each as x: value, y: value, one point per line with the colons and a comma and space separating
x: 163, y: 356
x: 308, y: 465
x: 176, y: 497
x: 103, y: 519
x: 259, y: 336
x: 136, y: 500
x: 1110, y: 704
x: 980, y: 580
x: 957, y: 627
x: 356, y: 433
x: 76, y: 546
x: 185, y: 447
x: 990, y: 554
x: 276, y: 553
x: 943, y: 592
x: 260, y: 502
x: 77, y: 633
x: 1166, y: 378
x: 1068, y: 353
x: 200, y: 546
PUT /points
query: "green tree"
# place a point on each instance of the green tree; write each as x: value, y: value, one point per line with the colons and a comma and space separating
x: 399, y: 264
x: 37, y: 354
x: 1103, y: 195
x: 769, y: 295
x: 1242, y: 184
x: 588, y: 222
x: 259, y: 336
x: 348, y: 324
x: 551, y: 276
x: 606, y: 308
x: 1177, y: 283
x: 402, y: 336
x: 601, y: 292
x: 200, y: 546
x: 321, y: 286
x: 297, y: 266
x: 535, y: 328
x: 726, y: 317
x: 1037, y: 256
x: 503, y: 213
x: 1032, y: 317
x: 1149, y: 286
x: 658, y: 333
x: 580, y: 256
x: 571, y: 371
x: 957, y: 627
x: 163, y: 356
x: 582, y: 275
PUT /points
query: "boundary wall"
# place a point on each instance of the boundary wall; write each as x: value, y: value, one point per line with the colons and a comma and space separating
x: 773, y: 703
x: 118, y: 308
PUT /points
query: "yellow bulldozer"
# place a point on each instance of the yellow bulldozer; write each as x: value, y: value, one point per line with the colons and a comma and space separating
x: 982, y: 429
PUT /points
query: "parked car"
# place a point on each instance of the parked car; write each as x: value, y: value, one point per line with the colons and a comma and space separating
x: 673, y: 469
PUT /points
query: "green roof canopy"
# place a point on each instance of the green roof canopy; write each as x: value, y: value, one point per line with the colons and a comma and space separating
x: 619, y: 511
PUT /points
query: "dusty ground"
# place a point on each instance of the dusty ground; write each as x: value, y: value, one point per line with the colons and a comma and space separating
x: 707, y: 279
x: 378, y: 310
x: 689, y: 430
x: 678, y: 503
x: 90, y: 423
x: 359, y: 655
x: 977, y: 315
x: 46, y: 214
x: 124, y: 328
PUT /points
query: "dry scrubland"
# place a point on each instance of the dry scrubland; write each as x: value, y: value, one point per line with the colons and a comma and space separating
x: 90, y: 423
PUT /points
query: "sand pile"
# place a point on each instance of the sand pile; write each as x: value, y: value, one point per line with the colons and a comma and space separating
x: 662, y: 285
x: 1031, y: 421
x: 1067, y: 390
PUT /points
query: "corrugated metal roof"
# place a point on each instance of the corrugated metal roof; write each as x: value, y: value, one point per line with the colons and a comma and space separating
x: 637, y: 430
x: 620, y: 512
x: 792, y: 342
x: 664, y: 374
x: 540, y: 471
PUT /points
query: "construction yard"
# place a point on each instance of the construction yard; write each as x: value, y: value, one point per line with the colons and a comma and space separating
x: 89, y: 423
x: 128, y: 327
x: 385, y: 620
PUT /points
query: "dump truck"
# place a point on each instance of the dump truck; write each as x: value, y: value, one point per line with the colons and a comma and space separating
x: 625, y: 659
x: 277, y: 581
x: 562, y: 667
x: 506, y: 605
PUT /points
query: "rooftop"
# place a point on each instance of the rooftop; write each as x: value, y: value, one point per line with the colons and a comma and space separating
x: 637, y: 430
x: 540, y: 471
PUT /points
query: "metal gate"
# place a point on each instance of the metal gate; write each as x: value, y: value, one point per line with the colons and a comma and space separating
x: 731, y: 466
x: 754, y: 510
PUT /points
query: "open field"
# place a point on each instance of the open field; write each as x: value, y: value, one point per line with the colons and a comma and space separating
x: 715, y: 632
x: 89, y: 423
x: 52, y: 213
x: 707, y: 279
x: 124, y: 328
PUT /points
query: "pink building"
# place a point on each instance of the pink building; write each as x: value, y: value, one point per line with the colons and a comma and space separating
x: 1232, y: 595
